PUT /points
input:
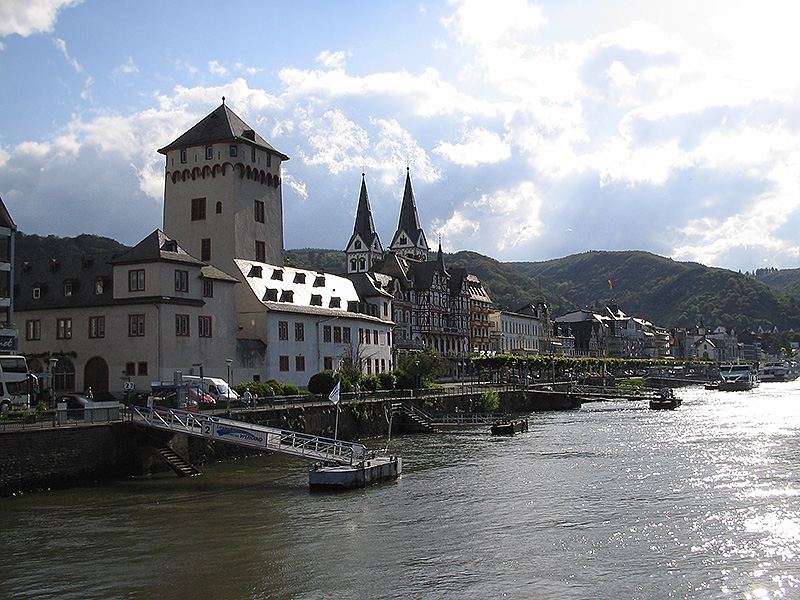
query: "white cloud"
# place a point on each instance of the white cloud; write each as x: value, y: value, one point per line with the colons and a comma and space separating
x: 217, y: 69
x: 62, y: 45
x: 332, y: 60
x: 479, y: 146
x: 128, y: 67
x: 25, y: 17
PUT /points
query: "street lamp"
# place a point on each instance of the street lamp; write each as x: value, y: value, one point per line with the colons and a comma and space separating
x: 229, y: 362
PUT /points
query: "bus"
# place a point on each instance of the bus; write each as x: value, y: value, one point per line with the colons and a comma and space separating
x: 16, y: 382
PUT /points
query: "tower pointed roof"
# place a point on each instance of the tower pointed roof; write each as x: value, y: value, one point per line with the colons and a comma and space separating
x: 221, y: 125
x: 364, y: 226
x: 409, y: 220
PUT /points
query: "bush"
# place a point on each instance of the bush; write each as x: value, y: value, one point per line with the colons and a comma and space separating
x: 386, y: 381
x: 321, y: 383
x: 369, y: 383
x: 488, y: 402
x: 289, y: 389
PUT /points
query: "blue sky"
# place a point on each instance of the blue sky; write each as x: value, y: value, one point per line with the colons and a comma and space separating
x: 532, y: 130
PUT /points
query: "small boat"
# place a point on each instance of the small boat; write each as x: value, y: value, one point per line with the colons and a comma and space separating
x: 509, y: 427
x: 774, y: 371
x: 666, y: 401
x: 737, y: 378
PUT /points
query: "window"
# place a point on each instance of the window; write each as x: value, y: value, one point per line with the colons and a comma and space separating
x: 287, y: 296
x: 198, y: 209
x: 283, y: 363
x: 299, y: 363
x: 219, y: 208
x: 142, y: 368
x: 135, y: 325
x: 204, y: 326
x: 346, y: 335
x: 182, y: 325
x: 33, y: 329
x: 299, y: 277
x: 316, y: 299
x: 299, y: 332
x: 283, y: 330
x: 278, y: 274
x: 259, y: 211
x: 183, y: 156
x: 326, y: 333
x: 68, y: 288
x: 130, y: 369
x: 233, y: 150
x: 337, y: 335
x: 98, y: 286
x: 64, y: 329
x: 136, y: 280
x: 261, y: 251
x: 208, y: 289
x: 181, y: 280
x: 357, y: 245
x: 253, y: 153
x: 37, y: 292
x: 327, y: 363
x: 375, y: 337
x: 97, y: 327
x: 205, y: 249
x: 335, y: 302
x: 209, y: 152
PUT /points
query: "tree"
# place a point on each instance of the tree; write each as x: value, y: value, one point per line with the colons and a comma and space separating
x: 416, y: 368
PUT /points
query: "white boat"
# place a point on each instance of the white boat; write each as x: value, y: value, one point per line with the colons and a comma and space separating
x: 774, y: 371
x: 737, y: 378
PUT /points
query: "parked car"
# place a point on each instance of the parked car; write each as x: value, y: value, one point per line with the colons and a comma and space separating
x: 76, y: 405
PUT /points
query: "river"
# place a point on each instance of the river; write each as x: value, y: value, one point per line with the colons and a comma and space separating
x: 613, y: 501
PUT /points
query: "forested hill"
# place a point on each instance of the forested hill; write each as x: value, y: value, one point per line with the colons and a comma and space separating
x: 667, y: 292
x: 32, y: 247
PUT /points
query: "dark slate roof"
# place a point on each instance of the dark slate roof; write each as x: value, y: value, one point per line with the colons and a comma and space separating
x: 5, y: 217
x: 364, y: 226
x: 51, y: 275
x: 409, y: 219
x: 157, y: 246
x: 221, y: 125
x: 369, y: 285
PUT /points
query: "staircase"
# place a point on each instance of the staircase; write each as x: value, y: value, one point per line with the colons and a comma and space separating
x: 414, y: 419
x: 182, y: 468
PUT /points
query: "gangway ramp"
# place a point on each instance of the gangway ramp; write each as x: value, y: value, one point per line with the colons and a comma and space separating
x: 284, y: 441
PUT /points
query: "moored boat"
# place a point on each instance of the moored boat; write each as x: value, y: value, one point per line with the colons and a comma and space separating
x: 737, y: 378
x: 666, y: 401
x: 511, y: 427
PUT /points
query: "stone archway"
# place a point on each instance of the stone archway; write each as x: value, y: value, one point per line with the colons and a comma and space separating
x: 95, y: 376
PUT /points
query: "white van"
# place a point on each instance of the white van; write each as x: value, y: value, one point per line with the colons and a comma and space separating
x: 214, y: 387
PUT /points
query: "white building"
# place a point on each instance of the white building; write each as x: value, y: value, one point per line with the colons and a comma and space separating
x: 525, y: 331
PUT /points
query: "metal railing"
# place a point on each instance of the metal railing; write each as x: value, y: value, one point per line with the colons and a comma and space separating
x: 284, y: 441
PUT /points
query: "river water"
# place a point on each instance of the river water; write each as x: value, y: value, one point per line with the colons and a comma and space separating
x: 613, y: 501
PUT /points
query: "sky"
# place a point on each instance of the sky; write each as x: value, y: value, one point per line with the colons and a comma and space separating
x: 531, y: 130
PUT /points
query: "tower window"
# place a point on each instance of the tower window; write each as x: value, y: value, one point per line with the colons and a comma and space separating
x: 219, y: 208
x: 259, y: 211
x: 209, y: 152
x: 205, y: 249
x: 357, y: 245
x: 183, y: 156
x: 198, y: 209
x: 234, y: 151
x: 261, y: 254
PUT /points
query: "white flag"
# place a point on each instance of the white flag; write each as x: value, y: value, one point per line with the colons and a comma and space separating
x: 334, y: 395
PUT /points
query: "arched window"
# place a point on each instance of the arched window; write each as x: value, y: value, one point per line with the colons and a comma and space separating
x: 353, y: 264
x: 362, y: 265
x: 219, y: 208
x: 64, y: 376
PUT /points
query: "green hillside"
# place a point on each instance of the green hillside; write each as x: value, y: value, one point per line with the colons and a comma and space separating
x: 786, y: 281
x: 32, y: 247
x: 666, y: 292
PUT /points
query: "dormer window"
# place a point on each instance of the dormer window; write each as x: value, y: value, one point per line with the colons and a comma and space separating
x: 255, y: 271
x: 357, y: 245
x: 335, y: 302
x: 68, y: 288
x: 287, y: 296
x: 316, y: 299
x: 98, y: 286
x: 271, y: 295
x: 403, y: 239
x: 37, y: 292
x: 319, y: 281
x: 299, y: 277
x: 278, y: 274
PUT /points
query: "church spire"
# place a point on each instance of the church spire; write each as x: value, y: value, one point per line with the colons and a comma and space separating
x: 409, y: 239
x: 364, y: 247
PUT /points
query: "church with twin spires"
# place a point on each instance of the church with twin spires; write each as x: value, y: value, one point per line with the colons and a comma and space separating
x: 433, y: 306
